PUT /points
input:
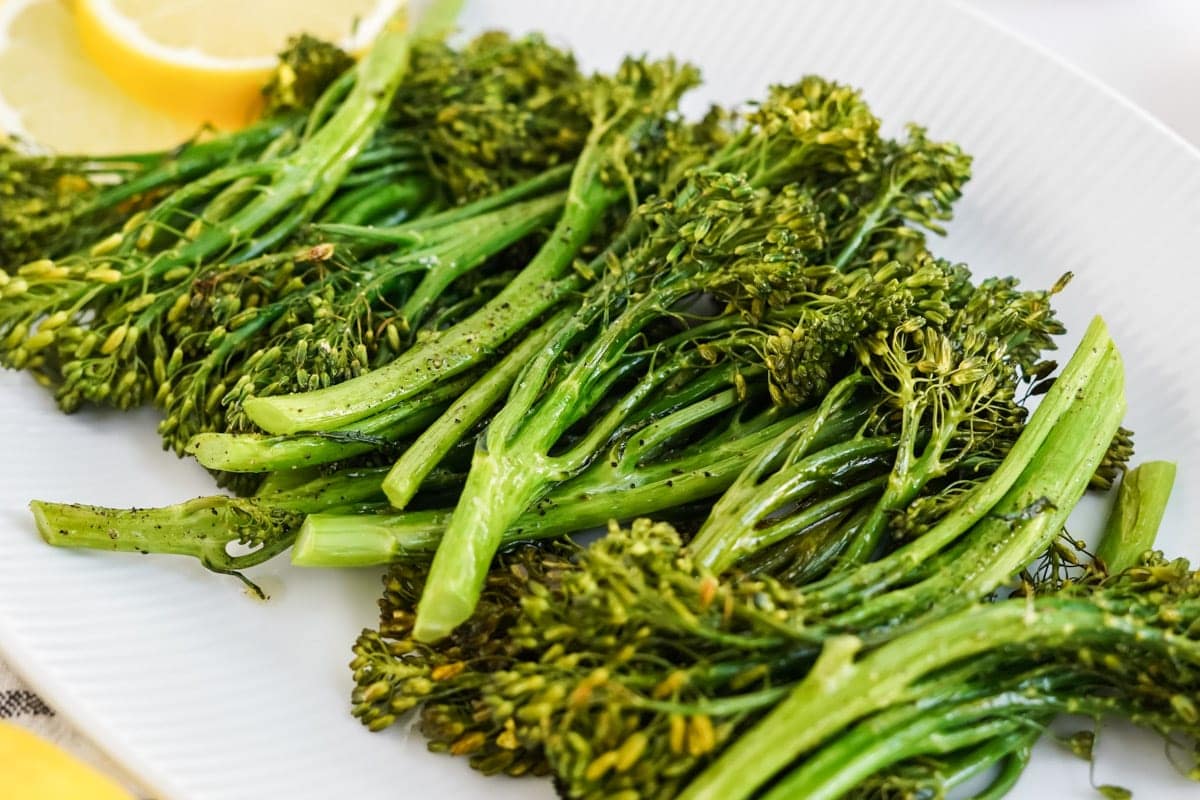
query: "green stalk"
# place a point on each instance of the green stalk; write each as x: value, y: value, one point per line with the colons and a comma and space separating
x: 973, y: 715
x: 201, y: 528
x: 237, y: 193
x: 768, y: 485
x: 839, y: 691
x: 1007, y: 750
x: 499, y: 229
x: 427, y: 451
x: 629, y: 483
x: 314, y: 491
x: 875, y: 745
x: 835, y: 464
x: 1011, y: 770
x: 404, y: 199
x: 849, y: 499
x: 252, y: 452
x: 1133, y: 524
x: 343, y: 540
x: 194, y: 160
x: 498, y: 490
x: 513, y: 467
x: 1094, y: 350
x: 1026, y: 520
x: 352, y: 540
x: 909, y: 475
x: 808, y: 552
x: 205, y: 527
x: 871, y: 218
x: 534, y: 291
x: 659, y: 424
x: 383, y: 174
x: 304, y: 179
x: 610, y: 489
x: 551, y: 180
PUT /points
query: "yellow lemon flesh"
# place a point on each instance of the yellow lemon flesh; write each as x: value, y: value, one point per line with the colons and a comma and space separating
x: 205, y: 60
x: 34, y: 769
x: 51, y: 93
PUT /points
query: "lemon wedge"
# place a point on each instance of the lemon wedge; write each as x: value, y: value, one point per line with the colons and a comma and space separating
x: 205, y: 60
x: 52, y: 94
x: 34, y: 769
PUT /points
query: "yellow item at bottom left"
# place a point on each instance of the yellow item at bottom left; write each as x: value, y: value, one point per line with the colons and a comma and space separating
x: 33, y: 769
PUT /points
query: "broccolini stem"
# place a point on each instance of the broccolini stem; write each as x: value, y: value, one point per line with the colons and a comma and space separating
x: 312, y: 491
x: 606, y: 491
x: 658, y: 426
x: 602, y: 431
x: 1094, y: 350
x: 996, y: 728
x: 205, y: 526
x: 239, y: 192
x: 419, y: 458
x: 535, y: 290
x: 354, y: 540
x: 1133, y: 524
x: 513, y: 467
x: 347, y: 540
x: 550, y: 180
x: 194, y: 160
x: 839, y: 691
x: 1015, y: 751
x: 768, y: 483
x: 848, y: 499
x: 623, y: 503
x: 889, y: 738
x: 381, y: 175
x: 871, y: 218
x: 498, y: 229
x: 740, y: 536
x: 393, y: 199
x: 809, y: 552
x: 1026, y: 520
x: 252, y: 452
x: 201, y: 528
x: 498, y: 490
x: 327, y: 102
x: 909, y: 475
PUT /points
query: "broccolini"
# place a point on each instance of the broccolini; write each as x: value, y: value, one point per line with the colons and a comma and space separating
x: 450, y: 308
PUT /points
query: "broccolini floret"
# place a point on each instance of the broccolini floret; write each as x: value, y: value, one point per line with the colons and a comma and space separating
x: 307, y: 67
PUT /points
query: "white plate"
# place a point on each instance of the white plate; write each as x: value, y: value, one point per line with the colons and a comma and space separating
x: 206, y: 694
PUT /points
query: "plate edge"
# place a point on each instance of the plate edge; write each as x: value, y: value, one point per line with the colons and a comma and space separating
x: 1088, y: 77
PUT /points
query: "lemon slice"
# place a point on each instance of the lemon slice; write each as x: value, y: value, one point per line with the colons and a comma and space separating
x: 205, y: 60
x: 52, y: 94
x: 34, y: 769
